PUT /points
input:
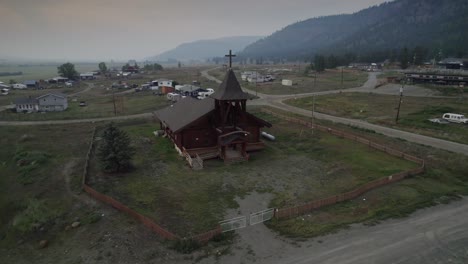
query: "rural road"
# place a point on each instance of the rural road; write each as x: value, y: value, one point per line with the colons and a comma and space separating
x: 277, y: 102
x: 437, y: 234
x: 88, y: 120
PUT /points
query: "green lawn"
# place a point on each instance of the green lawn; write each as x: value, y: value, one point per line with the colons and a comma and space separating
x: 382, y: 109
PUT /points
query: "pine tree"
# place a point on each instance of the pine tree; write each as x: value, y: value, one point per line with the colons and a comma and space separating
x: 319, y: 63
x: 404, y: 58
x: 115, y: 152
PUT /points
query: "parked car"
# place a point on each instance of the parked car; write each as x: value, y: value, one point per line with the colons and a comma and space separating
x: 82, y: 103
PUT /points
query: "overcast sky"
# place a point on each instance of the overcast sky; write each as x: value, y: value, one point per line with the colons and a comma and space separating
x: 126, y: 29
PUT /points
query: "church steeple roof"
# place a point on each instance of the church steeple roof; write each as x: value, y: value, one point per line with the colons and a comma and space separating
x: 230, y: 89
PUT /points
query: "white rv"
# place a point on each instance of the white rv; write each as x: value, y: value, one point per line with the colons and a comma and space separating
x: 455, y: 118
x: 18, y: 86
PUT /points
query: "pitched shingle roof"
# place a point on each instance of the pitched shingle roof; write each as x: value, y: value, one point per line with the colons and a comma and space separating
x: 184, y: 112
x: 25, y: 100
x: 53, y: 94
x: 230, y: 89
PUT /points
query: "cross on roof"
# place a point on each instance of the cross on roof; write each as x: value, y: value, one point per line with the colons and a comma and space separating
x: 230, y: 55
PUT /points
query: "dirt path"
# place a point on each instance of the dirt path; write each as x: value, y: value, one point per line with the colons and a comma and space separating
x: 433, y: 235
x: 87, y: 120
x: 66, y: 172
x: 90, y: 86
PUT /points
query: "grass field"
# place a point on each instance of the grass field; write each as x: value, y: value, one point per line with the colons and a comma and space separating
x: 325, y: 81
x: 35, y: 203
x: 381, y: 109
x: 445, y: 179
x: 298, y: 167
x: 32, y: 164
x: 128, y: 104
x: 40, y: 71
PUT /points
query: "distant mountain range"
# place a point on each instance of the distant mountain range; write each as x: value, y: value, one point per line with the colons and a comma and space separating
x: 437, y: 25
x: 205, y: 49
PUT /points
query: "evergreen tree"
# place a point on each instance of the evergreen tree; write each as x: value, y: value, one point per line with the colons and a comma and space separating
x: 319, y: 63
x: 115, y: 152
x: 404, y: 58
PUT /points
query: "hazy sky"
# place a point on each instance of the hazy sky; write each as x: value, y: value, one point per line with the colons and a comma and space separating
x: 125, y: 29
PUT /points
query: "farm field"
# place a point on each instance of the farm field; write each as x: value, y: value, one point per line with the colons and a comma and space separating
x: 325, y: 81
x: 382, y: 110
x: 37, y: 71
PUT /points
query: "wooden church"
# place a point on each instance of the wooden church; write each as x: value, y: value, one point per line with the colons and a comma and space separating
x: 218, y: 126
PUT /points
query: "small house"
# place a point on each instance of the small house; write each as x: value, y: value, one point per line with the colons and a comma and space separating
x: 27, y: 104
x: 87, y: 76
x: 58, y: 80
x: 162, y: 82
x: 30, y: 83
x: 52, y: 102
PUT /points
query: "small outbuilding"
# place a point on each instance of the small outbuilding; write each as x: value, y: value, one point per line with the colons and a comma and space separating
x: 30, y: 83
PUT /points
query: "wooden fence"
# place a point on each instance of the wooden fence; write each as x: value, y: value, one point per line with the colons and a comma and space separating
x: 282, y: 213
x: 294, y: 211
x: 157, y: 229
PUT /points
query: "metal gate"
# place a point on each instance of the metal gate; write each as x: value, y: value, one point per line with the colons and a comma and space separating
x: 261, y: 216
x: 233, y: 224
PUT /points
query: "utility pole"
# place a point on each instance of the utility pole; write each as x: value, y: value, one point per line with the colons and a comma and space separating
x: 315, y: 79
x: 399, y: 103
x: 341, y: 77
x: 113, y: 100
x: 313, y: 114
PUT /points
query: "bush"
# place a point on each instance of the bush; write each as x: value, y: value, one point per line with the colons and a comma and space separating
x: 185, y: 246
x: 34, y: 215
x: 28, y: 162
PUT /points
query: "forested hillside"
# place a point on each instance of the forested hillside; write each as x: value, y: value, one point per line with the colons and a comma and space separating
x: 437, y: 27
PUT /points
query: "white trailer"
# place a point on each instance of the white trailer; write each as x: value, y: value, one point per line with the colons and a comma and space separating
x: 287, y: 82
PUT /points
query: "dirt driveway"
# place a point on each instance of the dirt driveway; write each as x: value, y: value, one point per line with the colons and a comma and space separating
x: 433, y: 235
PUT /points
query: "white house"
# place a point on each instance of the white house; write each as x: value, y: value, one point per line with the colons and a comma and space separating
x: 26, y: 105
x: 245, y: 75
x: 52, y: 102
x: 87, y: 76
x: 256, y: 78
x: 162, y: 82
x: 45, y: 103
